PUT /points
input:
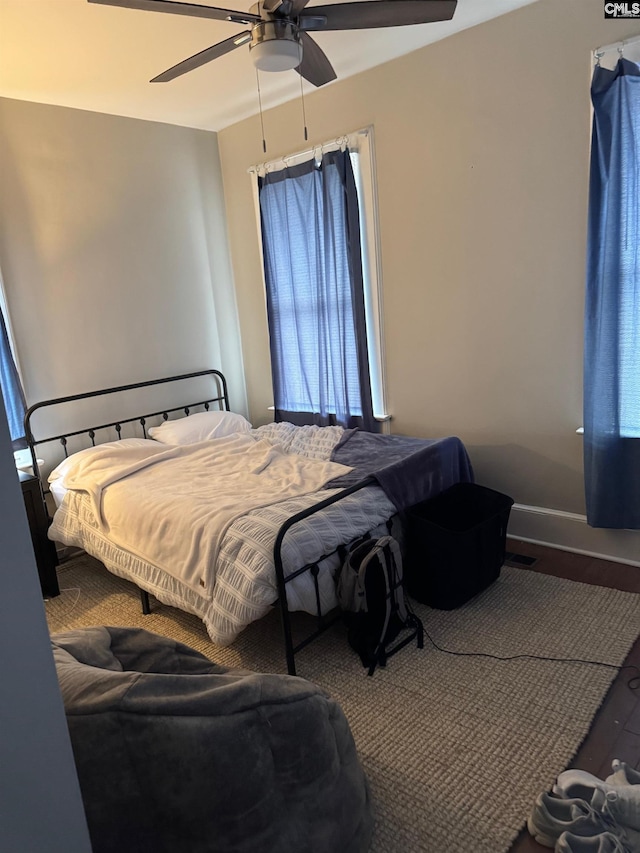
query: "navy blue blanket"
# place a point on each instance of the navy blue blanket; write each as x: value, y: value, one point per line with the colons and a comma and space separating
x: 409, y: 470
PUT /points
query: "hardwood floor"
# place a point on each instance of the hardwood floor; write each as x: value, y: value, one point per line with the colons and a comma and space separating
x: 615, y: 731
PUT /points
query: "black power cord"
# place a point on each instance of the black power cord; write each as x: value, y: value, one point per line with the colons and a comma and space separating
x: 632, y: 684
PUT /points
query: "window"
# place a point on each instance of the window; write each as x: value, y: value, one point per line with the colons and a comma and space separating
x: 318, y: 222
x: 12, y: 393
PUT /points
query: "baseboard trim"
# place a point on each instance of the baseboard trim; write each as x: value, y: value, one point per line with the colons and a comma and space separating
x: 569, y: 531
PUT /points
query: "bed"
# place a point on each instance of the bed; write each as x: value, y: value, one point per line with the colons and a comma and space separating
x: 222, y: 520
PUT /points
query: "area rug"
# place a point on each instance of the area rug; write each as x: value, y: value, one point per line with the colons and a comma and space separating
x: 456, y: 747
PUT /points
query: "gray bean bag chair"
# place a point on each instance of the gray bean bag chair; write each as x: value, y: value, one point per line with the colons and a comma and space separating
x: 178, y: 755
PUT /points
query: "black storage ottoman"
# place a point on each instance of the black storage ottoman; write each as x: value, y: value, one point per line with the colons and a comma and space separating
x: 455, y: 544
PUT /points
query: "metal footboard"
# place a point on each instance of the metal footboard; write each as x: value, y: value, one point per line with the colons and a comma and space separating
x: 322, y: 621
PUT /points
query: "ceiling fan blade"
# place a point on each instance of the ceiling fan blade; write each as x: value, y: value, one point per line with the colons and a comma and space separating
x: 190, y: 9
x: 285, y: 8
x: 203, y: 57
x: 376, y: 13
x: 315, y: 67
x: 295, y: 7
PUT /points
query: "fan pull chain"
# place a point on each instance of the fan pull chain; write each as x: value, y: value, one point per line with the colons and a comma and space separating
x: 264, y: 143
x: 304, y: 115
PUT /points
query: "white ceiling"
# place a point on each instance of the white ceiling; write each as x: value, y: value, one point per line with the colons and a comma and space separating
x: 76, y: 54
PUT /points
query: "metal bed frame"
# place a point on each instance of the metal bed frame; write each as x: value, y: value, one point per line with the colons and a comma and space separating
x: 221, y: 399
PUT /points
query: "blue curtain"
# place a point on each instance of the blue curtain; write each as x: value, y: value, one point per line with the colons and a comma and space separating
x: 12, y: 393
x: 612, y: 315
x: 315, y: 296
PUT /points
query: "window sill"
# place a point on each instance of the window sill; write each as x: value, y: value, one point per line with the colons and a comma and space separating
x: 580, y: 431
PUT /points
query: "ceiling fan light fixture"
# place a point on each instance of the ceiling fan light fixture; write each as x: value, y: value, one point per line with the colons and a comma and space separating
x: 278, y: 55
x: 275, y: 46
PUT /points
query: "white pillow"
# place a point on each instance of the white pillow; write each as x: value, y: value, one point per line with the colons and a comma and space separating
x: 61, y: 469
x: 200, y: 427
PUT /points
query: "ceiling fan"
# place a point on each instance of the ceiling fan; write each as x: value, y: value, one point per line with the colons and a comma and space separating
x: 279, y: 38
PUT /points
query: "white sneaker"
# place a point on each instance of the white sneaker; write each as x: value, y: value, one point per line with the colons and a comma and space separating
x: 622, y: 774
x: 552, y: 816
x: 604, y: 843
x: 622, y: 805
x: 579, y: 783
x: 622, y: 802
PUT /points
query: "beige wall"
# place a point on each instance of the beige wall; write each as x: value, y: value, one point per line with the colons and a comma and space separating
x: 482, y: 145
x: 113, y: 241
x: 113, y: 250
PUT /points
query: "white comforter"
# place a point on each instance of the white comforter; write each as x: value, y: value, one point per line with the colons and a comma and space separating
x: 171, y: 506
x: 245, y: 585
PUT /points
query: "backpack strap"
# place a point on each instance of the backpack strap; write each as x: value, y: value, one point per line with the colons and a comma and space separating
x: 398, y: 602
x: 386, y: 550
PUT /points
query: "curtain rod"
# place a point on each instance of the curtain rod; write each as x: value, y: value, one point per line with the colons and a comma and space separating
x: 617, y: 45
x: 338, y: 142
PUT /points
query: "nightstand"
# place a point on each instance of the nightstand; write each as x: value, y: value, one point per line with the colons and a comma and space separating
x: 44, y: 549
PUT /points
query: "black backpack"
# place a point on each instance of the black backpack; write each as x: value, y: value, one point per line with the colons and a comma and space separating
x: 371, y: 593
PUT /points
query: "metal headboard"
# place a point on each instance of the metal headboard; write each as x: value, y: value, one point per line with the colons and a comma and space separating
x: 221, y: 398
